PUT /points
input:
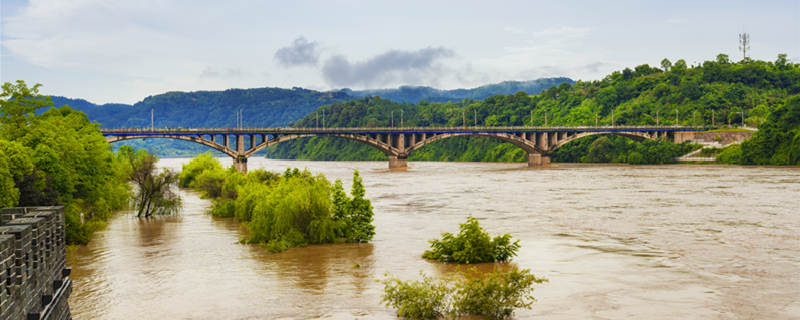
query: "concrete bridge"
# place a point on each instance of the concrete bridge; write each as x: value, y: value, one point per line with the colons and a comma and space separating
x: 398, y: 142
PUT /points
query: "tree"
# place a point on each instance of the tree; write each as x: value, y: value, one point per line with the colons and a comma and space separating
x: 722, y: 58
x: 18, y: 105
x: 666, y: 64
x: 154, y: 194
x: 360, y: 214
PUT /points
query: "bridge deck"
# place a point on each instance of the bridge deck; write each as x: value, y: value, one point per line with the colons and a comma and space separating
x: 384, y: 130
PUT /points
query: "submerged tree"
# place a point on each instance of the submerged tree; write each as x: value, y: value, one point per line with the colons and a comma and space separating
x: 155, y: 193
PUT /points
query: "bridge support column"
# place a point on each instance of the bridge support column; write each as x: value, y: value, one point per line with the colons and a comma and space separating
x: 396, y: 162
x: 240, y: 163
x: 538, y: 160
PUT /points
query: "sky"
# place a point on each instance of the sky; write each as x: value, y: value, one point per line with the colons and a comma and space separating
x: 113, y: 51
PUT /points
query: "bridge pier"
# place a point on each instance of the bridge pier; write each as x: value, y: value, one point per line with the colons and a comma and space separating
x: 240, y: 163
x: 538, y: 160
x: 396, y: 162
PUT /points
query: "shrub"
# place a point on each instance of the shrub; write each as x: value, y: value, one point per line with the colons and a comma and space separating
x: 471, y: 245
x: 195, y: 167
x: 494, y: 295
x: 425, y: 299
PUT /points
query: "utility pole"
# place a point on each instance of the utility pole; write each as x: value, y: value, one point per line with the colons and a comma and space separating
x: 464, y: 117
x: 545, y: 118
x: 712, y: 117
x: 744, y: 44
x: 151, y: 119
x: 743, y: 118
x: 596, y: 120
x: 323, y: 118
x: 676, y: 117
x: 476, y: 117
x: 316, y: 120
x: 656, y: 117
x: 531, y: 118
x: 401, y: 118
x: 612, y: 118
x: 392, y: 118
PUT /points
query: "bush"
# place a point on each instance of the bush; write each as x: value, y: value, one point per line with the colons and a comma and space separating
x: 495, y: 295
x: 195, y: 167
x: 730, y: 154
x: 426, y: 299
x: 472, y: 245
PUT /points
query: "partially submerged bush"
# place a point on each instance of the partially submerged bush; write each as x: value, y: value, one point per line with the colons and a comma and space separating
x: 495, y: 295
x: 284, y: 211
x: 472, y: 245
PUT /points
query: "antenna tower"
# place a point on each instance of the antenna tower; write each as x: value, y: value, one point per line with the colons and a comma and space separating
x: 744, y: 44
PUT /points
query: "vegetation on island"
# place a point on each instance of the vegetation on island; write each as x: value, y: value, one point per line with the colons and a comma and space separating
x: 718, y: 92
x: 283, y: 211
x: 494, y: 295
x: 472, y: 245
x: 155, y: 191
x: 58, y: 157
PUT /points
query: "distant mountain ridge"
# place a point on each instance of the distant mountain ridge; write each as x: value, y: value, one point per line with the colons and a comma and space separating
x: 415, y: 94
x: 267, y: 107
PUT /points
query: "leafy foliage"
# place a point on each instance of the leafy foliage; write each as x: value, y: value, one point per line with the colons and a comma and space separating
x: 472, y: 245
x: 199, y: 164
x: 284, y: 211
x: 777, y: 142
x: 494, y: 296
x: 58, y: 157
x: 154, y: 191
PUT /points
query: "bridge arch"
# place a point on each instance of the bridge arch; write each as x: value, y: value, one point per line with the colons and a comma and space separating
x: 205, y: 142
x: 518, y: 141
x: 638, y: 136
x: 375, y: 143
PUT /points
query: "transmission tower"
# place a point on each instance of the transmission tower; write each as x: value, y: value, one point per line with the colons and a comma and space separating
x: 744, y: 44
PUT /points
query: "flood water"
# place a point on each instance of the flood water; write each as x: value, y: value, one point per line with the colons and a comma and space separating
x: 649, y: 242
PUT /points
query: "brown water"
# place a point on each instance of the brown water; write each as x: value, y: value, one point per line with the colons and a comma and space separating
x: 652, y: 242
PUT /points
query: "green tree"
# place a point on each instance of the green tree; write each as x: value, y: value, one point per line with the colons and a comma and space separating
x: 360, y: 214
x: 154, y: 190
x: 18, y: 105
x: 666, y: 64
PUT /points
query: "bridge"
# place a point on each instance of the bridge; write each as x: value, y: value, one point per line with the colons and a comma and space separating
x: 396, y: 142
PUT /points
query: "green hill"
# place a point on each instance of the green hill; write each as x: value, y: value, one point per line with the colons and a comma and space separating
x: 718, y: 91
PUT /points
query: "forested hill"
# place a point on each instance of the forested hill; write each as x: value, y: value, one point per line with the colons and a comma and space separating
x: 268, y: 107
x: 417, y: 94
x: 264, y: 107
x: 719, y: 89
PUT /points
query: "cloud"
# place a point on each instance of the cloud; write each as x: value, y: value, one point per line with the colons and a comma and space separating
x: 394, y: 66
x: 300, y: 52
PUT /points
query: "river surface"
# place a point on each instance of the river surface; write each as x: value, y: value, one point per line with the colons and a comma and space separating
x: 647, y: 242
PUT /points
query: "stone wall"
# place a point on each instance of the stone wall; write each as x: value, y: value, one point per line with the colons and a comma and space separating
x: 34, y: 279
x: 721, y: 137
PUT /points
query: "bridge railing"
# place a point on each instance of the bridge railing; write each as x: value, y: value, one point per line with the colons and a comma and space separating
x: 289, y: 130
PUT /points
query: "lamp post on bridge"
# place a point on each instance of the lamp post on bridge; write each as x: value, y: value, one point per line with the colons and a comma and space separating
x: 476, y: 117
x: 656, y: 118
x: 392, y: 118
x: 596, y: 120
x: 676, y: 117
x: 612, y: 118
x: 401, y: 118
